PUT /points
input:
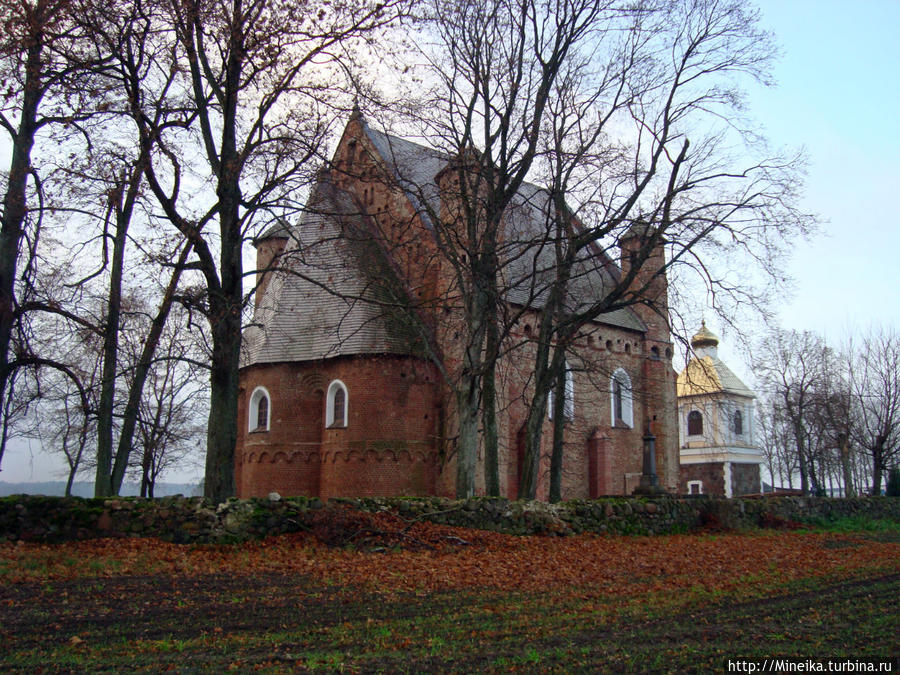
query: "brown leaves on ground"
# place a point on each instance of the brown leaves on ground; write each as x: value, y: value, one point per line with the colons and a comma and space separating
x: 386, y: 554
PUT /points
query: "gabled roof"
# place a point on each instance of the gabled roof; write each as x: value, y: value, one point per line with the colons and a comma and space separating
x: 320, y: 303
x: 531, y: 265
x: 413, y: 166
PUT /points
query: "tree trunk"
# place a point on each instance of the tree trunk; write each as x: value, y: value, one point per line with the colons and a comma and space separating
x: 489, y: 409
x: 467, y: 446
x: 7, y: 410
x: 225, y: 305
x: 534, y: 422
x: 801, y: 456
x: 222, y: 430
x: 73, y: 469
x: 225, y: 301
x: 877, y: 468
x: 469, y: 391
x: 135, y: 391
x: 103, y: 486
x: 145, y: 472
x: 559, y: 421
x: 15, y: 200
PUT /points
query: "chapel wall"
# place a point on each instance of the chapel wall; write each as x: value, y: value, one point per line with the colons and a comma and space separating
x: 712, y: 475
x: 745, y: 479
x: 617, y: 449
x: 389, y: 446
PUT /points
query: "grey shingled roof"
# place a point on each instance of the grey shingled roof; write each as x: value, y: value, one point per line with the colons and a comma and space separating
x: 298, y: 319
x: 413, y: 167
x: 530, y: 267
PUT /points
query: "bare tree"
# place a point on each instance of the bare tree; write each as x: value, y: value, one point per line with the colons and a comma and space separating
x: 790, y: 364
x: 248, y: 79
x: 776, y: 442
x: 876, y: 393
x: 836, y: 416
x: 624, y: 113
x: 43, y: 62
x: 171, y: 420
x: 494, y: 64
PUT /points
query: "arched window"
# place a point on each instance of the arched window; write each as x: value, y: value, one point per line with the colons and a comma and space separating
x: 569, y: 401
x: 258, y: 414
x: 621, y: 401
x: 695, y: 423
x: 738, y: 423
x: 336, y: 404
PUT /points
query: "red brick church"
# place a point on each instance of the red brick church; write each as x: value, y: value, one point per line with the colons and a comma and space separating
x: 339, y: 397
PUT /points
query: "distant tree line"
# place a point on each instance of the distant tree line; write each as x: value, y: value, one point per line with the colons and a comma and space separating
x: 830, y: 415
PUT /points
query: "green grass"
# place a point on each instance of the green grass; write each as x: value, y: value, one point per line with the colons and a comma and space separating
x: 879, y: 529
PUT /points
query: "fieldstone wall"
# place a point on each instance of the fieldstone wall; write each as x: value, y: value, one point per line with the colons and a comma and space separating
x: 195, y: 520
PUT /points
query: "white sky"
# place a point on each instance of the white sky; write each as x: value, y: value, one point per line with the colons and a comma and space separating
x: 838, y: 96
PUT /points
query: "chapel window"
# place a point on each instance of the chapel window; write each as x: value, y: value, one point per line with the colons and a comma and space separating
x: 738, y: 423
x: 621, y: 399
x: 336, y: 405
x: 258, y: 414
x: 695, y: 423
x: 568, y: 401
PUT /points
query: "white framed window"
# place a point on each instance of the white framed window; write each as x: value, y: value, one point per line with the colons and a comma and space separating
x: 695, y: 487
x: 568, y: 402
x: 337, y: 403
x: 260, y: 410
x: 621, y: 399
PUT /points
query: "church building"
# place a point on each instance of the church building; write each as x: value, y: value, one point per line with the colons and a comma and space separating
x: 719, y: 453
x: 340, y: 395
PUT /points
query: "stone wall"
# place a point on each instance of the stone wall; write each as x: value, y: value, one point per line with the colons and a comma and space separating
x: 745, y: 479
x: 710, y: 474
x: 194, y: 520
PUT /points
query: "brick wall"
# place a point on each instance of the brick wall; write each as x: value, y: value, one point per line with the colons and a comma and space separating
x: 389, y: 445
x: 401, y: 421
x: 615, y: 451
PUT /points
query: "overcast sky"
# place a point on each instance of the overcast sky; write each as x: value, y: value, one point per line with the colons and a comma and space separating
x: 837, y: 96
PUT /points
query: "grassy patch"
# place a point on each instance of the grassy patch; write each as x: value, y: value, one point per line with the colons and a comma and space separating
x: 874, y: 529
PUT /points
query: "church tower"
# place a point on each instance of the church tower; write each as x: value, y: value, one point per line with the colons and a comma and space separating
x: 718, y: 453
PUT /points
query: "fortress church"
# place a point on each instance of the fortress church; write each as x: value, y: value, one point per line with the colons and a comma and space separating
x: 341, y: 396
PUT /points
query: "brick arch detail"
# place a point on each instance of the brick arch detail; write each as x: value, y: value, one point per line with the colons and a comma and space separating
x: 313, y: 382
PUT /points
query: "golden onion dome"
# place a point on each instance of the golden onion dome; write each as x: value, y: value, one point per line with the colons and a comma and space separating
x: 704, y: 338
